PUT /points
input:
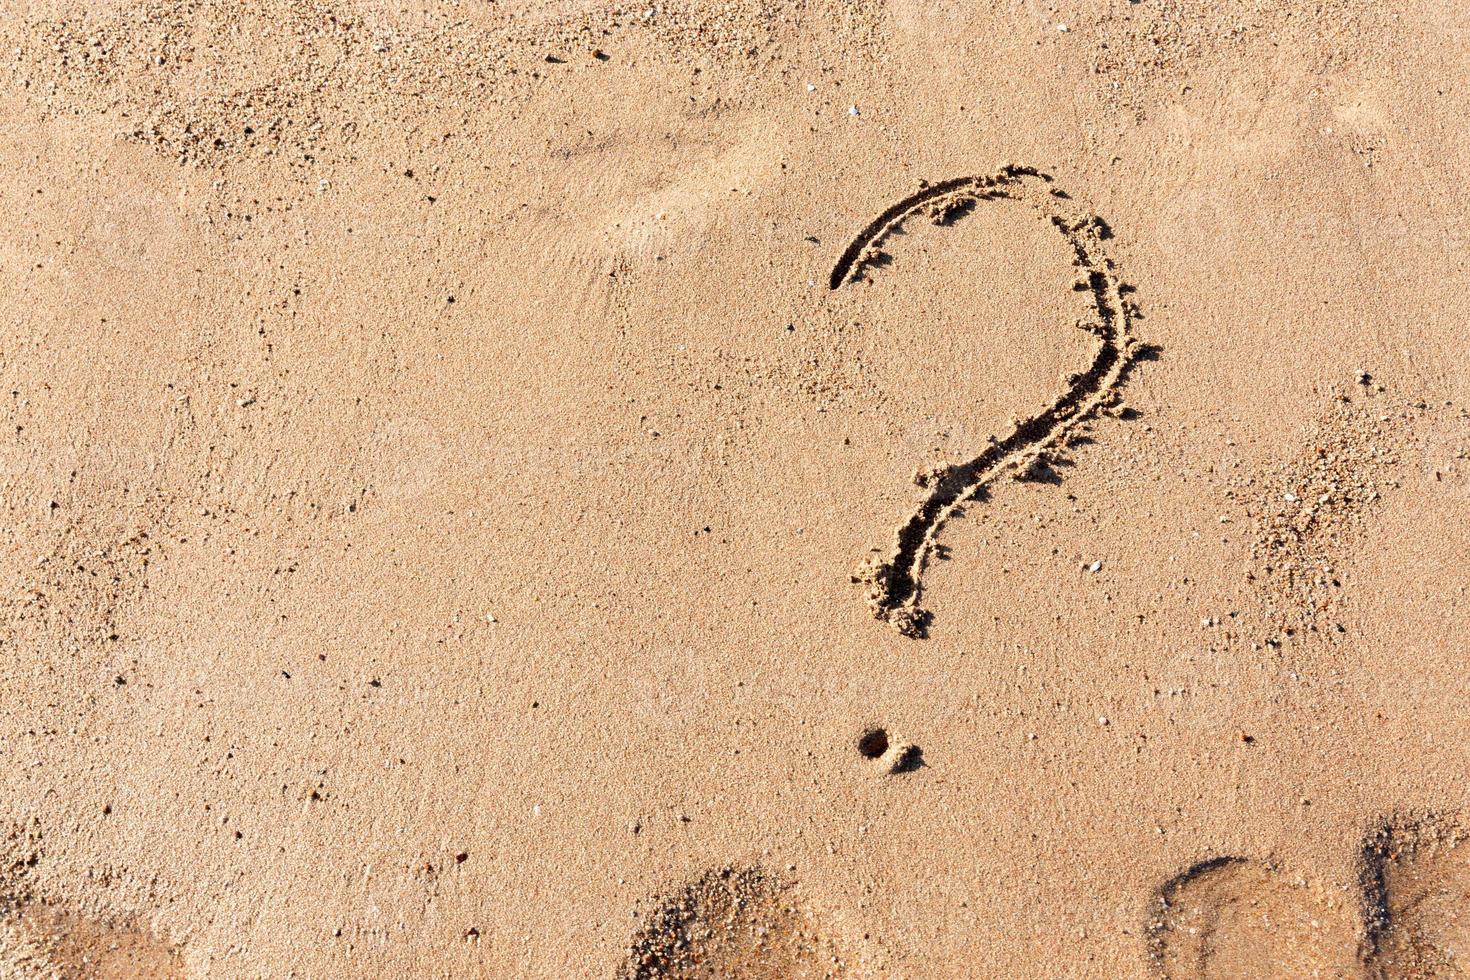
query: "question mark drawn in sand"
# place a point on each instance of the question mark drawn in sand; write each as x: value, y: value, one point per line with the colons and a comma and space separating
x: 894, y: 583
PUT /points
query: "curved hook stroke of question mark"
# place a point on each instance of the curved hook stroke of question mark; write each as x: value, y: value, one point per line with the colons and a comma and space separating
x: 894, y: 583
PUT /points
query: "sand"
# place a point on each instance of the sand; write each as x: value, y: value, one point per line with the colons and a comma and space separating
x: 768, y: 490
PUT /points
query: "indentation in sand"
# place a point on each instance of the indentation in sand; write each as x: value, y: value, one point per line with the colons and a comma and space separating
x: 1234, y: 918
x: 733, y: 922
x: 46, y: 942
x: 1417, y: 888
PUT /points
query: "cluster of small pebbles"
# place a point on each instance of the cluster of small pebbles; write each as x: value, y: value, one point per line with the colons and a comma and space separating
x: 1304, y: 511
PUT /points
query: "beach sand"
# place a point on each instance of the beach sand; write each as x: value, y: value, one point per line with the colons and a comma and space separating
x: 913, y: 490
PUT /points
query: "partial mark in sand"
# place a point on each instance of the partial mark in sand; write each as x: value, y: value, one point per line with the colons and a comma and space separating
x: 1230, y: 917
x: 734, y: 922
x: 1416, y: 877
x: 46, y: 942
x: 894, y: 582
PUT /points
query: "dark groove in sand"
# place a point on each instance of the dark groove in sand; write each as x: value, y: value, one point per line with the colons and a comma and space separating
x: 894, y: 584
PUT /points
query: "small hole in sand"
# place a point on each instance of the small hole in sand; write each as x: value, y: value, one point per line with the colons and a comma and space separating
x: 872, y: 743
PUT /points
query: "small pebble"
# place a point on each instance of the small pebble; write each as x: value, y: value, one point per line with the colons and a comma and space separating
x: 852, y: 110
x: 1095, y: 567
